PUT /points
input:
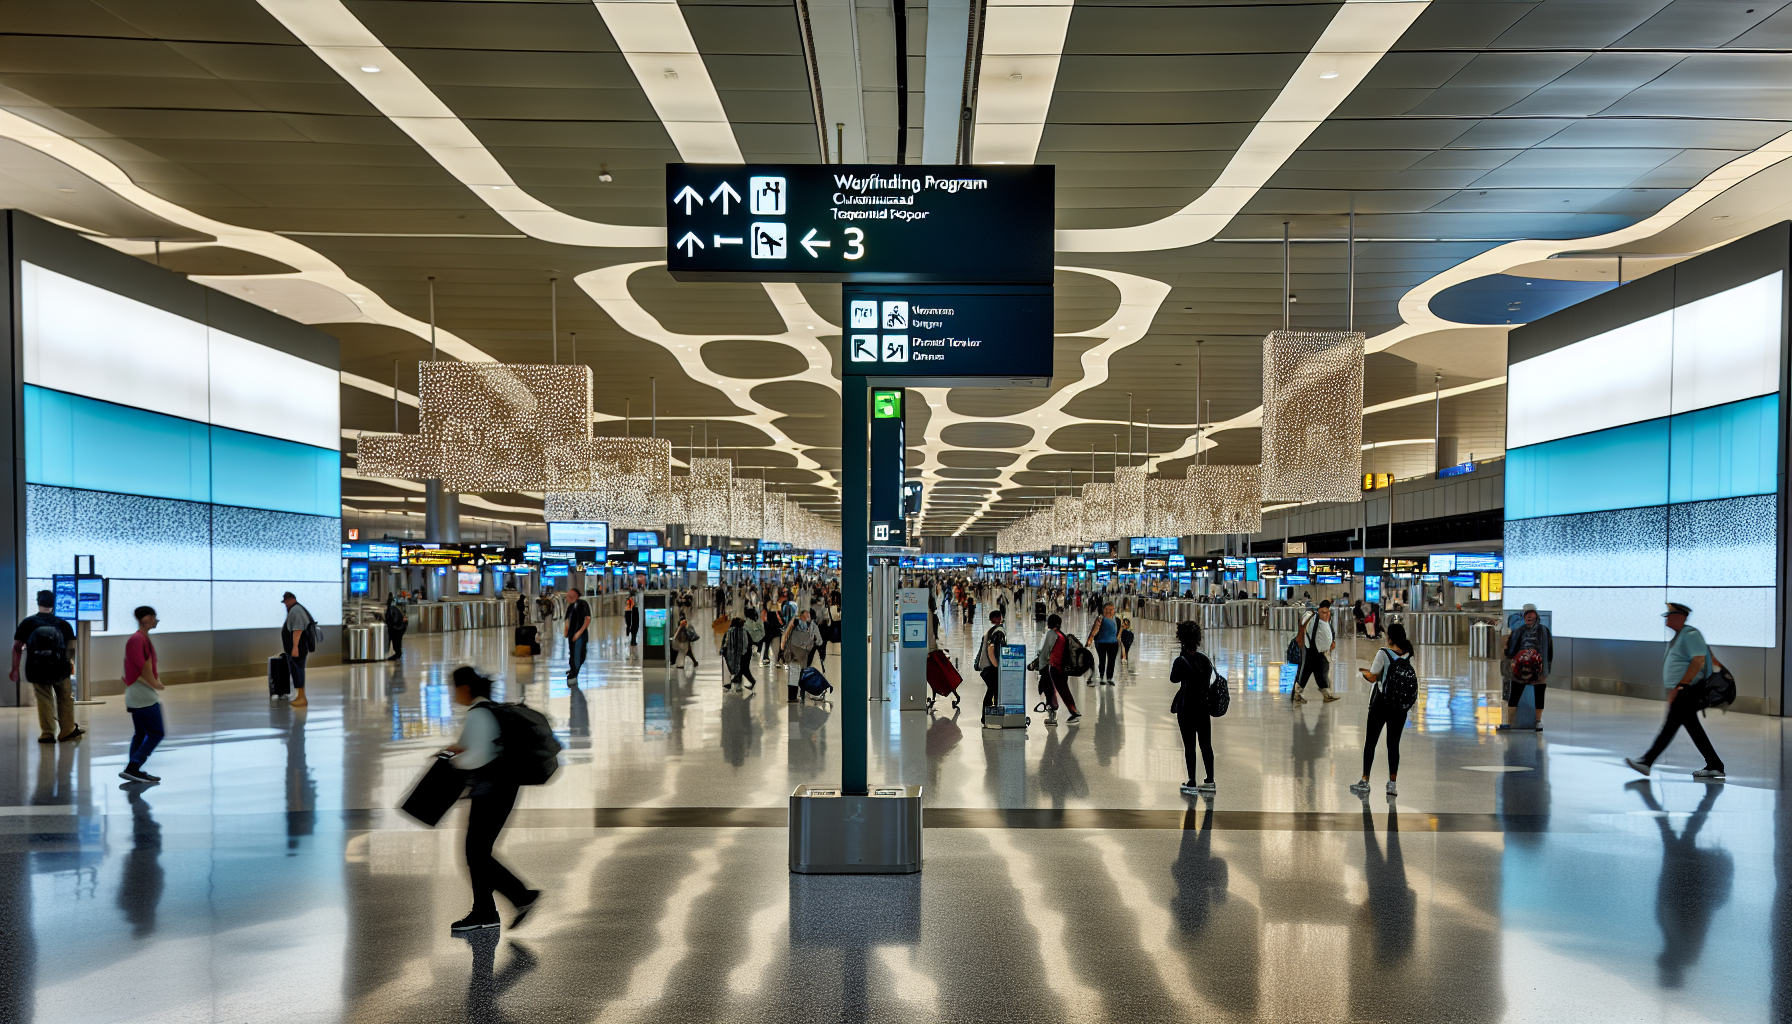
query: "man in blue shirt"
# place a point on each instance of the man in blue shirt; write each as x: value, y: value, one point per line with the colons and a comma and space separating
x: 1686, y: 665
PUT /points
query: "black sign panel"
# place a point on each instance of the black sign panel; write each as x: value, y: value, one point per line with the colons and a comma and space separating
x: 949, y: 335
x: 859, y: 222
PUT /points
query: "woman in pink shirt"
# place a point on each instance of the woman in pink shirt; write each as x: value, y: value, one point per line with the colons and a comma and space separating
x: 142, y: 696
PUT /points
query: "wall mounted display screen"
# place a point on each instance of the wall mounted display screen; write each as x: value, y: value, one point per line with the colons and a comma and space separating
x: 579, y: 535
x: 656, y: 556
x: 1154, y: 546
x: 357, y: 577
x: 1642, y: 459
x: 378, y: 552
x: 202, y: 469
x: 467, y: 582
x: 643, y: 538
x: 531, y: 552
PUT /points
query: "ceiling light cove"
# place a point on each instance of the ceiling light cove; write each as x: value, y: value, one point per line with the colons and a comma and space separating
x: 1359, y: 34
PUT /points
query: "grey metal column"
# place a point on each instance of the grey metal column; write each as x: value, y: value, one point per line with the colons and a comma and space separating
x: 441, y: 514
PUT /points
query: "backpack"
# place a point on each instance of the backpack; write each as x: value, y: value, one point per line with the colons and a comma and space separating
x: 529, y: 751
x: 314, y: 634
x: 1219, y: 698
x: 1297, y: 648
x: 981, y: 662
x: 1399, y: 683
x: 1716, y: 690
x: 46, y: 655
x: 1077, y: 659
x: 1527, y: 666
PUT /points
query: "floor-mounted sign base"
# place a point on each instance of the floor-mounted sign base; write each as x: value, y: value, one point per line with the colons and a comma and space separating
x: 833, y: 833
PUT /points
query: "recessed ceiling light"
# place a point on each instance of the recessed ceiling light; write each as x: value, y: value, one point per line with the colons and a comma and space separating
x: 1017, y: 76
x: 372, y: 69
x: 1328, y: 74
x: 671, y: 73
x: 1721, y: 216
x: 65, y: 190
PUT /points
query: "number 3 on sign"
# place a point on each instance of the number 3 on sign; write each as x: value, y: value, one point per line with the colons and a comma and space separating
x: 855, y: 237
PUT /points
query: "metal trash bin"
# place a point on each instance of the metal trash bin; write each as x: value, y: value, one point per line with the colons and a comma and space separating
x: 1482, y: 639
x: 364, y: 643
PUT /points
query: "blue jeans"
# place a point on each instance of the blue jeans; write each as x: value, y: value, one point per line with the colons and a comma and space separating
x: 148, y: 722
x: 575, y: 656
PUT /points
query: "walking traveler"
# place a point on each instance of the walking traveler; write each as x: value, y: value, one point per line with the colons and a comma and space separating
x: 684, y: 643
x: 522, y: 609
x: 1688, y: 663
x: 989, y: 658
x: 42, y: 643
x: 737, y: 655
x: 142, y: 697
x: 755, y: 632
x: 1193, y: 674
x: 479, y: 752
x: 631, y: 618
x: 1126, y: 641
x: 578, y: 635
x: 397, y: 622
x: 1054, y: 684
x: 1317, y: 644
x: 1391, y: 673
x: 298, y: 639
x: 774, y: 632
x: 1104, y: 636
x: 797, y: 646
x: 1530, y: 650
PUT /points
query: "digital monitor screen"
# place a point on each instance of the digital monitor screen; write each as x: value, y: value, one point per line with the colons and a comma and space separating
x: 65, y: 597
x: 1479, y: 563
x: 531, y: 552
x: 378, y: 552
x: 357, y: 577
x: 469, y: 582
x: 1372, y: 589
x: 1463, y: 579
x: 354, y: 550
x: 1099, y: 547
x: 1442, y: 563
x: 555, y: 572
x: 1296, y: 580
x: 1178, y: 561
x: 90, y: 599
x: 656, y: 556
x: 642, y: 538
x: 1154, y: 545
x: 703, y: 561
x: 1251, y: 571
x: 580, y: 534
x: 1330, y: 578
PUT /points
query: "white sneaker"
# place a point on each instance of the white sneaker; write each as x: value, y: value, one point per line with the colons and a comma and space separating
x: 1206, y: 787
x: 1360, y: 787
x: 1188, y: 790
x: 1392, y: 791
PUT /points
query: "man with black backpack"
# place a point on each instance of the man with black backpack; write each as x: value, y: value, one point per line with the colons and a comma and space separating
x: 42, y: 643
x: 298, y: 638
x: 502, y: 747
x: 989, y: 658
x: 1686, y: 670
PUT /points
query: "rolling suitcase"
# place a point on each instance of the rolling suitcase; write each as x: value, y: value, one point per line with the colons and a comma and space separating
x: 279, y: 683
x: 436, y: 791
x: 813, y: 684
x: 526, y: 643
x: 942, y: 677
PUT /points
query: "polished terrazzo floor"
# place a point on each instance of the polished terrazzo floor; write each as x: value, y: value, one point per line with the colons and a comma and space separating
x: 268, y: 879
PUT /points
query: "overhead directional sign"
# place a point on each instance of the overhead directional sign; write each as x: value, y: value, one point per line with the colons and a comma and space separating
x: 860, y: 222
x: 949, y: 335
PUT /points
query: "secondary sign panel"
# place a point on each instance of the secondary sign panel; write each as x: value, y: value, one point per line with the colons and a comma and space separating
x: 949, y: 335
x: 859, y: 222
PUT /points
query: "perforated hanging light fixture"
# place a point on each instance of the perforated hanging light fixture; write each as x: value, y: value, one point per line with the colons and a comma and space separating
x: 747, y: 510
x: 629, y: 477
x: 708, y: 492
x: 1312, y: 415
x: 1129, y: 501
x: 492, y: 427
x: 1222, y: 499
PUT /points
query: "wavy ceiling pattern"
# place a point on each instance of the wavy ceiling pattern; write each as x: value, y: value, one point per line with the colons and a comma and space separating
x: 1345, y: 81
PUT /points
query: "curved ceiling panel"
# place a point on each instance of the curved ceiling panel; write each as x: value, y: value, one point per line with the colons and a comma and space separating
x: 750, y: 359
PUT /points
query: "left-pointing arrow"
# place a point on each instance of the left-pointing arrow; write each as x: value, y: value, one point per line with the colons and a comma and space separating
x: 808, y: 242
x: 690, y: 243
x: 687, y: 196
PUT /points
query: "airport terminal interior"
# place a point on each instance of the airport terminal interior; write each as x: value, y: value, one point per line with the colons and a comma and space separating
x: 895, y: 510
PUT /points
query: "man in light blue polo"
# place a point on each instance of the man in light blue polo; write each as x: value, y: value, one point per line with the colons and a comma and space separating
x: 1687, y: 664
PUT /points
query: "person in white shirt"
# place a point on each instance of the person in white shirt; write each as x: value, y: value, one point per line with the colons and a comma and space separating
x: 1317, y: 644
x: 493, y: 795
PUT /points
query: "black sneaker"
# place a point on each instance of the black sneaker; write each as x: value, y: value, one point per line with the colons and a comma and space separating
x: 475, y: 921
x: 1073, y: 718
x: 138, y: 775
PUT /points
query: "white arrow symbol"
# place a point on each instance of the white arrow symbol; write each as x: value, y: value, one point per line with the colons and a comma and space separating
x: 809, y: 243
x: 690, y: 243
x: 720, y: 241
x: 686, y: 196
x: 725, y: 190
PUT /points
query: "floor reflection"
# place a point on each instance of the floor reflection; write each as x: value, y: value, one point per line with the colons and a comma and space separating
x: 1695, y: 882
x: 141, y: 877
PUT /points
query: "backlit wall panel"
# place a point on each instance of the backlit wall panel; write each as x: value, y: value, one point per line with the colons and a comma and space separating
x: 201, y: 469
x: 1643, y: 467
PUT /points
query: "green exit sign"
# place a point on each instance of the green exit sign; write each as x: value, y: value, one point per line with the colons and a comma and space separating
x: 886, y: 405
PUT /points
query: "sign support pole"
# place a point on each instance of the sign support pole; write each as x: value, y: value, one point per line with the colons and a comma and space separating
x: 855, y: 529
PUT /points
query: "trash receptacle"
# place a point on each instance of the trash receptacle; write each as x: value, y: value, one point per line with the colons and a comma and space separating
x: 1481, y: 640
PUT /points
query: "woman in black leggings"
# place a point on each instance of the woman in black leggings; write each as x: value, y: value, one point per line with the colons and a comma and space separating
x: 1192, y: 673
x: 1384, y: 711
